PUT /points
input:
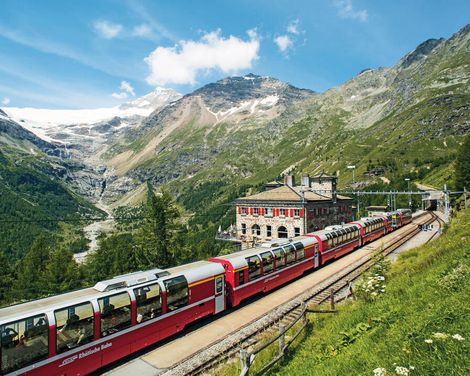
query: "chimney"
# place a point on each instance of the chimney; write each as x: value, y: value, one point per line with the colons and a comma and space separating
x: 289, y: 180
x: 305, y: 182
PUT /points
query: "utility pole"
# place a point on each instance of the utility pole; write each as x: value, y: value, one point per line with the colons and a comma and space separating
x: 446, y: 205
x: 353, y: 168
x: 409, y: 192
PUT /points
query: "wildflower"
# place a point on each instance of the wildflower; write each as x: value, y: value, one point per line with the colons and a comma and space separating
x: 412, y: 368
x: 401, y: 371
x: 458, y: 337
x: 440, y: 335
x: 380, y: 372
x: 428, y: 340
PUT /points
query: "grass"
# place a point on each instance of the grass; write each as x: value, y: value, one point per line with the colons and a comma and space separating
x: 425, y: 299
x: 427, y: 293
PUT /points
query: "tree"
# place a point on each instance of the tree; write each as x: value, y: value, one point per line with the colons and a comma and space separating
x: 30, y: 282
x: 156, y: 239
x: 462, y: 165
x: 61, y: 273
x: 6, y: 278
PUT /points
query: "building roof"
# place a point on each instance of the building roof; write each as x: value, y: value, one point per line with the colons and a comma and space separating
x: 286, y: 193
x: 324, y: 175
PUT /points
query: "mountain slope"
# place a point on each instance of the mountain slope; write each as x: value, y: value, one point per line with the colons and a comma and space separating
x: 33, y: 199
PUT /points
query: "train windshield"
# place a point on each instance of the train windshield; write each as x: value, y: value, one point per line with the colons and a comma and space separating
x: 24, y: 342
x: 74, y: 326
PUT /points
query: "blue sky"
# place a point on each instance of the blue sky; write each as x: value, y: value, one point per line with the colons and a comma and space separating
x: 87, y: 54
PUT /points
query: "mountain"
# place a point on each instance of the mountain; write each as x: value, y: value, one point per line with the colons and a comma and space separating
x: 408, y: 118
x: 85, y: 131
x: 33, y: 190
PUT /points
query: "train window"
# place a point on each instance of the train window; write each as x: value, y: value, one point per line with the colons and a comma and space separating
x: 254, y: 267
x: 149, y: 302
x: 115, y: 313
x: 24, y: 342
x: 299, y: 251
x: 74, y: 326
x: 279, y: 254
x: 290, y: 252
x: 268, y: 262
x: 177, y: 293
x: 241, y: 277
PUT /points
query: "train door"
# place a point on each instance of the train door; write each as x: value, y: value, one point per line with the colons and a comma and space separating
x: 219, y: 294
x: 316, y: 257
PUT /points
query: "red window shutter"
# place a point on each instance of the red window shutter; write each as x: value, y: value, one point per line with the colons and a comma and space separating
x: 292, y: 212
x: 262, y: 211
x: 251, y: 211
x: 275, y: 212
x: 239, y: 210
x: 301, y: 213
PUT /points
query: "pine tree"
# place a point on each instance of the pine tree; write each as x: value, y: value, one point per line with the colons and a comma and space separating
x: 156, y: 239
x: 462, y: 165
x: 61, y: 273
x: 30, y: 282
x: 6, y: 278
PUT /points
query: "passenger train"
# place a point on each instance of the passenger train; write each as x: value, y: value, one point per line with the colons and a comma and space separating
x: 78, y: 332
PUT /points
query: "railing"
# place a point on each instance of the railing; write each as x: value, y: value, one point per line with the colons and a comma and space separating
x: 247, y: 358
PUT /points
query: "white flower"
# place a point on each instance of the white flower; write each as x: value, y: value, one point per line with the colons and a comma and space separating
x: 440, y: 335
x: 401, y: 371
x: 412, y: 368
x: 458, y: 337
x: 428, y: 340
x: 380, y: 372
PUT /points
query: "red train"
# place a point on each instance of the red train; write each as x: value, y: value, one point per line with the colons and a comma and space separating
x: 81, y: 331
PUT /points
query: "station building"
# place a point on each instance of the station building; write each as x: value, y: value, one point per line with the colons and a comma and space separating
x: 285, y: 210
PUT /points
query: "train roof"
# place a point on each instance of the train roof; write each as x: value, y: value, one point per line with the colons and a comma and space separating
x: 322, y: 234
x: 193, y: 272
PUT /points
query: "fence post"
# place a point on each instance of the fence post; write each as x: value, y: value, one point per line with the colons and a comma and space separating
x: 282, y: 339
x: 245, y: 362
x: 332, y: 299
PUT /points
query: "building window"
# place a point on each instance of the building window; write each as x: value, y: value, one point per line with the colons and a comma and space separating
x: 244, y: 211
x: 255, y: 211
x: 244, y: 228
x: 269, y: 230
x: 255, y: 230
x: 268, y: 211
x: 282, y: 232
x: 296, y: 231
x: 296, y: 212
x: 282, y: 212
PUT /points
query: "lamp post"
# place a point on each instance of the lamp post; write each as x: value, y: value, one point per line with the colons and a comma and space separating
x: 409, y: 192
x: 353, y: 168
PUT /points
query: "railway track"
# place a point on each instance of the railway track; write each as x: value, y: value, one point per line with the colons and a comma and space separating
x: 249, y: 335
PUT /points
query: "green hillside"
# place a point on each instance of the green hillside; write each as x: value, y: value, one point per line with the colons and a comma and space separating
x: 420, y: 322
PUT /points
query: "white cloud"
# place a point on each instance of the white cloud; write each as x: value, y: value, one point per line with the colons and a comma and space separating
x: 293, y: 27
x: 106, y: 29
x: 346, y: 10
x: 127, y: 87
x: 126, y: 90
x: 283, y: 42
x: 6, y: 101
x: 142, y: 31
x: 182, y: 63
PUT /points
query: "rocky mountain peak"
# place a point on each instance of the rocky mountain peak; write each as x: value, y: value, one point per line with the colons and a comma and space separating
x: 421, y: 52
x: 154, y: 100
x: 226, y: 92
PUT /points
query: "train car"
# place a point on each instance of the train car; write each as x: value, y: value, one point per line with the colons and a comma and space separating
x: 371, y: 228
x: 263, y: 268
x: 335, y: 241
x: 406, y: 216
x: 79, y: 332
